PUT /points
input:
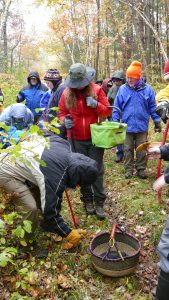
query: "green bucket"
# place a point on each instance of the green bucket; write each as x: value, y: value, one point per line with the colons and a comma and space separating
x: 108, y: 134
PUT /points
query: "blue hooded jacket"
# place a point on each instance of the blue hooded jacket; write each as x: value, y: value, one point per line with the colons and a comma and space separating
x: 17, y: 112
x: 136, y: 105
x: 32, y: 94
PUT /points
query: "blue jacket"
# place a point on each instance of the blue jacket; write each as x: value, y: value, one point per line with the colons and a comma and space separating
x: 136, y: 105
x: 17, y: 113
x: 45, y: 99
x: 32, y: 94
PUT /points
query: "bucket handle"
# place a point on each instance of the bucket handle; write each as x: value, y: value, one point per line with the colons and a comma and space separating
x: 112, y: 106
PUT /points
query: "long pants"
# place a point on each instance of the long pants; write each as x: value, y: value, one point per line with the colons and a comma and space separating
x: 120, y: 151
x: 162, y: 292
x: 26, y: 202
x: 95, y: 191
x: 132, y: 141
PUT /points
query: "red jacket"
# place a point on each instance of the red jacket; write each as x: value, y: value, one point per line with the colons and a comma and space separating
x: 83, y: 115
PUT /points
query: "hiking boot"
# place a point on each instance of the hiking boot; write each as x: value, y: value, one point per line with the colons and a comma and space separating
x: 118, y: 160
x: 89, y: 207
x: 32, y: 249
x: 100, y: 211
x: 141, y: 174
x: 128, y: 175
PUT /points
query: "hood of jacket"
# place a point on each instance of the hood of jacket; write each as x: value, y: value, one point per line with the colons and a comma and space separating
x: 82, y: 170
x: 104, y: 85
x: 33, y: 74
x: 119, y: 74
x: 18, y: 113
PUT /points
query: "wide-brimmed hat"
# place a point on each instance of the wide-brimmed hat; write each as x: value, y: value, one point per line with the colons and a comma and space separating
x: 79, y: 76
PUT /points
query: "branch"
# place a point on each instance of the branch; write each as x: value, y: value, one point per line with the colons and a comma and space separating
x: 144, y: 17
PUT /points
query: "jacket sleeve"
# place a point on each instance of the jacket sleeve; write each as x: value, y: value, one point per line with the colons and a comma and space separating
x: 165, y: 152
x: 152, y: 107
x: 63, y: 110
x: 20, y: 97
x: 102, y: 110
x: 45, y: 100
x: 117, y: 103
x: 57, y: 96
x: 163, y: 94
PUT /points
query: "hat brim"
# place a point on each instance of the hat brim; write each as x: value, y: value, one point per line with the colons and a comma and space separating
x: 74, y: 84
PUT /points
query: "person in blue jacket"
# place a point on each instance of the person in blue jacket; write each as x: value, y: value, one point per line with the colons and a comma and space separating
x: 19, y: 118
x: 33, y: 94
x: 136, y: 100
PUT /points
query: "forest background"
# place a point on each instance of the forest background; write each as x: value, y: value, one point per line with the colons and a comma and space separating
x: 107, y: 35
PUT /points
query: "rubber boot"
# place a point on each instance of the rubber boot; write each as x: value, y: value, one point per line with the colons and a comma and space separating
x: 89, y: 207
x: 162, y: 292
x: 99, y: 210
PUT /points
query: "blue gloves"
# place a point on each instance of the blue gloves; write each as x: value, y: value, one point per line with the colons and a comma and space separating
x: 68, y: 121
x: 91, y: 102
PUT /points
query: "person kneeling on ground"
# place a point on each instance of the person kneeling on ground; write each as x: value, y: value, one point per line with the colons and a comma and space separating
x: 162, y: 291
x: 34, y: 183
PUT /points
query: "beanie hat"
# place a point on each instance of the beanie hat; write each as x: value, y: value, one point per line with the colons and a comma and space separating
x: 166, y: 70
x: 134, y: 70
x: 52, y: 75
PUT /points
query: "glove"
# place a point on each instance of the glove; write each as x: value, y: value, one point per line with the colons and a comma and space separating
x: 91, y: 102
x: 74, y: 238
x: 157, y: 127
x: 163, y: 109
x: 68, y: 121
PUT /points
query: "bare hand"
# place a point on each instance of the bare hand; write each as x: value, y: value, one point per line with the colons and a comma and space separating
x: 159, y: 183
x: 153, y: 153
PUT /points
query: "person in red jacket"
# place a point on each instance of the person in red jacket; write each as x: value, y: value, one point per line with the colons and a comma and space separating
x: 81, y: 103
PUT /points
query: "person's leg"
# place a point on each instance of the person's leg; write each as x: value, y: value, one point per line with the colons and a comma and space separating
x: 162, y: 292
x: 119, y: 153
x: 97, y: 153
x: 141, y: 159
x: 87, y: 194
x: 129, y: 155
x: 24, y: 201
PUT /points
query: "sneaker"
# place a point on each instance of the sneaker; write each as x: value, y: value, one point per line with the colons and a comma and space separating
x: 141, y: 174
x: 89, y: 206
x: 128, y: 175
x: 118, y: 159
x: 100, y: 211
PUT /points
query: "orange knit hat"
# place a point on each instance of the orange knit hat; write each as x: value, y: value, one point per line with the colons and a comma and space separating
x: 134, y: 70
